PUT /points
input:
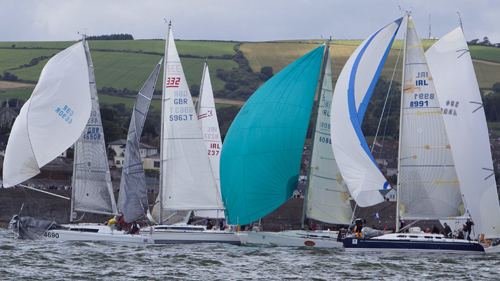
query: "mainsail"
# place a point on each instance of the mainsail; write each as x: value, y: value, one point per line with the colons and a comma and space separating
x: 352, y: 92
x: 186, y: 179
x: 260, y: 159
x: 92, y: 190
x: 428, y: 183
x: 327, y: 197
x: 52, y: 119
x: 133, y: 200
x: 455, y: 81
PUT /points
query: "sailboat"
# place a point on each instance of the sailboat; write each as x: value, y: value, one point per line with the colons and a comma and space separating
x: 260, y: 159
x: 326, y: 196
x: 92, y: 190
x: 428, y: 186
x: 186, y: 178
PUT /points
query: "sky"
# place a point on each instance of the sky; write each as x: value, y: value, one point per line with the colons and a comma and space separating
x: 240, y: 20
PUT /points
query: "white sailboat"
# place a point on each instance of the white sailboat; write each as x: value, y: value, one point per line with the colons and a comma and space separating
x: 428, y: 187
x: 326, y: 197
x: 451, y: 66
x: 186, y: 178
x: 92, y: 191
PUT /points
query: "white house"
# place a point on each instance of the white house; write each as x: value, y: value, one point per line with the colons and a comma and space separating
x: 145, y: 150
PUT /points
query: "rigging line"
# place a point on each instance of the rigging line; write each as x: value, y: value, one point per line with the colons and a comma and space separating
x: 385, y: 102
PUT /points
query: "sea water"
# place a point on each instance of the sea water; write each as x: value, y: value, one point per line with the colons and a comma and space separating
x: 46, y: 260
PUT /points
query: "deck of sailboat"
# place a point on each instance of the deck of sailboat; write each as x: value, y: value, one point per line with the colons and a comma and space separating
x: 416, y: 242
x: 190, y: 234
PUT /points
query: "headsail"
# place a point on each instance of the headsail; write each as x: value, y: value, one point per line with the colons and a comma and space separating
x: 187, y: 181
x: 428, y: 183
x: 455, y: 81
x: 352, y: 93
x: 133, y: 200
x: 92, y: 190
x: 52, y: 119
x: 260, y: 159
x: 327, y: 196
x: 211, y: 133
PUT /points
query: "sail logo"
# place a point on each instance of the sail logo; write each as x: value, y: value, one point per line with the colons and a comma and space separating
x: 207, y: 114
x: 65, y: 113
x: 450, y: 108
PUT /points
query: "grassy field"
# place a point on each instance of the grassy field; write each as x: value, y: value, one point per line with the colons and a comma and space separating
x: 128, y: 65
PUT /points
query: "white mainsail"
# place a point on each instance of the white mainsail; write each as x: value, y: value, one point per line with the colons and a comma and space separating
x: 428, y: 183
x: 352, y: 93
x: 211, y: 133
x: 187, y: 181
x: 327, y: 198
x: 133, y: 199
x: 92, y: 190
x: 52, y: 119
x: 455, y: 81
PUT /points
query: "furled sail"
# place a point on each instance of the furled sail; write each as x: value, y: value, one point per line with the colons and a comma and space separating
x: 187, y: 181
x: 455, y: 81
x: 260, y: 159
x: 92, y: 190
x: 52, y: 119
x: 429, y: 187
x: 327, y: 198
x: 352, y: 92
x: 133, y: 199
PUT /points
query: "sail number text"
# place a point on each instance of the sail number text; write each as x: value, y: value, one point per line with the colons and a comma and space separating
x: 65, y: 113
x: 51, y: 234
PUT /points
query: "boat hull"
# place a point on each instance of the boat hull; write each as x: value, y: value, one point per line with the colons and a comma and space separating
x: 95, y: 233
x: 406, y: 245
x: 191, y: 235
x: 295, y: 239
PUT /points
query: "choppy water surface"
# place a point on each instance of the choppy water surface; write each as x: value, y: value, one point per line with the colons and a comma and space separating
x: 38, y: 260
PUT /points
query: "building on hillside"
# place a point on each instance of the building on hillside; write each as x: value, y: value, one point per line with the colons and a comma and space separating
x: 119, y: 148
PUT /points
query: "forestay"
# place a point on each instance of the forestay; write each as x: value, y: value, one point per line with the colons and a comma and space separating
x: 327, y: 198
x: 260, y: 159
x: 352, y: 93
x: 429, y: 185
x: 92, y: 190
x: 455, y: 81
x: 133, y: 199
x: 52, y: 119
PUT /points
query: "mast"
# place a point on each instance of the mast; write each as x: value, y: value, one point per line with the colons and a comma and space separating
x: 84, y: 39
x: 398, y: 185
x: 162, y: 160
x: 316, y: 110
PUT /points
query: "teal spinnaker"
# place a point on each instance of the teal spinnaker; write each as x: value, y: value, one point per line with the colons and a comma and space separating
x: 261, y: 155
